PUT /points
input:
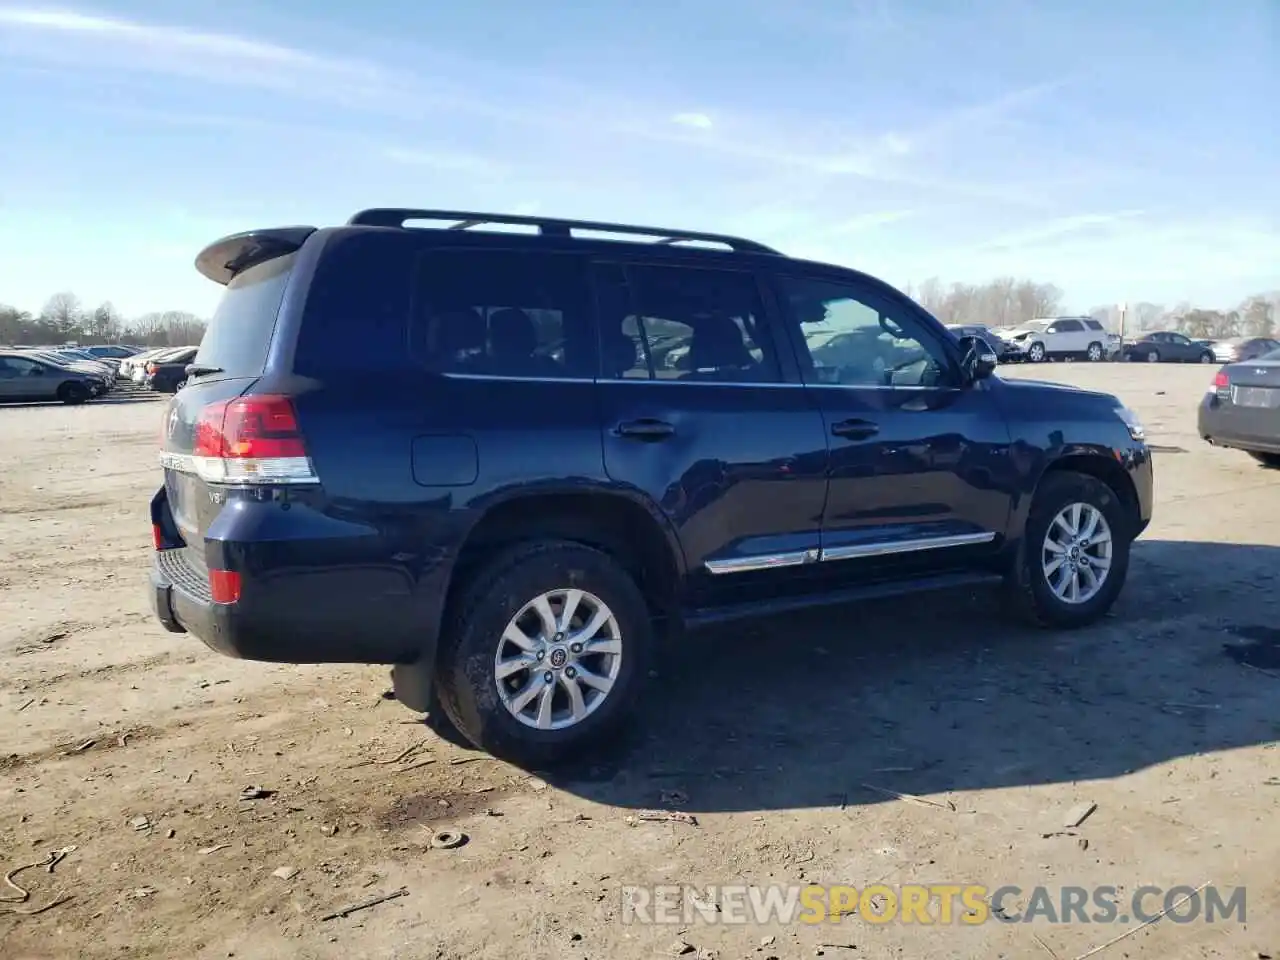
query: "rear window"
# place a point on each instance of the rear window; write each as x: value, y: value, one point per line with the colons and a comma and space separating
x: 239, y: 333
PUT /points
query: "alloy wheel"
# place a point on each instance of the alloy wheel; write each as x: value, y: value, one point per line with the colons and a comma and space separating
x: 558, y: 659
x: 1076, y: 553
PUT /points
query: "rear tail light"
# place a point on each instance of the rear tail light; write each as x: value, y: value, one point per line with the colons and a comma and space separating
x: 253, y: 439
x: 1222, y: 385
x: 224, y: 586
x: 157, y: 536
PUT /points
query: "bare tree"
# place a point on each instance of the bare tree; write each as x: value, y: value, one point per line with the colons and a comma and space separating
x: 63, y: 313
x: 104, y: 324
x: 1257, y: 317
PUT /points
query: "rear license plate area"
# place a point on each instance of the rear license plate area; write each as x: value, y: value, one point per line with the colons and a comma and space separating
x: 1265, y: 398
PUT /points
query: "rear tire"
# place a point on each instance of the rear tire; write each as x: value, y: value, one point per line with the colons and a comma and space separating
x: 1271, y: 460
x: 497, y: 604
x: 1029, y: 592
x: 1095, y: 353
x: 73, y: 394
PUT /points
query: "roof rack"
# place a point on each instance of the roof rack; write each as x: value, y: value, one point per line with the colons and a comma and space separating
x: 547, y: 227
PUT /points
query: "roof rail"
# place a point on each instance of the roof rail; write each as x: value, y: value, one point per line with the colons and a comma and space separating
x: 547, y: 227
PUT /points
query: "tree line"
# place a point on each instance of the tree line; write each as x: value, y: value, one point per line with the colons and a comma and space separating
x: 1003, y: 302
x: 64, y: 319
x: 1008, y: 302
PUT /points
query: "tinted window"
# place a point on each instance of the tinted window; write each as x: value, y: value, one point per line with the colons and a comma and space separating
x: 240, y: 330
x: 358, y: 304
x: 857, y: 339
x: 1068, y: 326
x: 687, y: 324
x: 502, y: 313
x: 1093, y: 324
x: 16, y: 366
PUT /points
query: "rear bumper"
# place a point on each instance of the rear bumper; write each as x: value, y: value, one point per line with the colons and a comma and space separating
x: 341, y: 622
x: 1240, y: 428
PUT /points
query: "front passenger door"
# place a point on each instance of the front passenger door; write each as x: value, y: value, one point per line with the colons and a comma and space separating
x: 920, y: 471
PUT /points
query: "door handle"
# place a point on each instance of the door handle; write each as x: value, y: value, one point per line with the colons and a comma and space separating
x: 646, y: 429
x: 855, y: 429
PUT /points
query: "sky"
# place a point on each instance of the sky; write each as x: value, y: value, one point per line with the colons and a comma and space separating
x: 1124, y: 150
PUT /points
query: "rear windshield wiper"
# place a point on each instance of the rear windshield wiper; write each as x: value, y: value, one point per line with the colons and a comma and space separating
x: 202, y: 370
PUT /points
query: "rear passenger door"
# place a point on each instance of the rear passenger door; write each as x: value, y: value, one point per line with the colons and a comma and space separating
x: 703, y: 414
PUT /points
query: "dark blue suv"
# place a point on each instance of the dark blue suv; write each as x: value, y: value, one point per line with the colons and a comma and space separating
x: 506, y: 462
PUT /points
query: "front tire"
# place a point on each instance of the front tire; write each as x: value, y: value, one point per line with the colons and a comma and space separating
x: 1074, y: 554
x: 1152, y: 356
x: 73, y: 394
x: 1206, y: 357
x: 1036, y: 354
x: 1271, y: 460
x: 546, y: 654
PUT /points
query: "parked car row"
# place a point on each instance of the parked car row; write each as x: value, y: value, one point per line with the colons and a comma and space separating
x: 77, y: 374
x: 163, y: 370
x: 68, y: 375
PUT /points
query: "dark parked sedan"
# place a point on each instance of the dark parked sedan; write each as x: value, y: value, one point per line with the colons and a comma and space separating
x: 1242, y: 411
x: 1167, y: 347
x: 168, y: 374
x: 24, y: 377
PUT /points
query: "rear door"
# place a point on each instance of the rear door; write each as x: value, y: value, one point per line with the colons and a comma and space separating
x: 234, y: 349
x: 703, y: 413
x: 920, y: 469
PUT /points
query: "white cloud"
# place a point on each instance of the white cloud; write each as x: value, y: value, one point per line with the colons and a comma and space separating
x: 1053, y: 230
x: 697, y: 121
x: 896, y: 143
x: 445, y: 160
x: 69, y: 37
x: 864, y: 222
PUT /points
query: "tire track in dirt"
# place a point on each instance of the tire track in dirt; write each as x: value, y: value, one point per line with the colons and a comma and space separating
x: 105, y: 671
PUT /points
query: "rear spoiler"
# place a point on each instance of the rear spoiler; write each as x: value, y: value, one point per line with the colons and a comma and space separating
x: 223, y: 259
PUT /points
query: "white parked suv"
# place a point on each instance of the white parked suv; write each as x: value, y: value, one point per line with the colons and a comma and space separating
x: 1062, y: 338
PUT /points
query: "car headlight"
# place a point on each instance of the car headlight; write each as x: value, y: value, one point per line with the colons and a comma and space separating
x: 1136, y: 430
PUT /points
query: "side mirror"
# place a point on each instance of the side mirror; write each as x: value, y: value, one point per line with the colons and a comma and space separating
x: 979, y: 362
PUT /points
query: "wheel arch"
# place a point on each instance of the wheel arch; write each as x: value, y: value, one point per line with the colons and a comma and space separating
x: 620, y: 522
x: 1102, y: 466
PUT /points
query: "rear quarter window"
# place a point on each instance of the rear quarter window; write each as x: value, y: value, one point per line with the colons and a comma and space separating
x: 357, y: 308
x: 239, y: 333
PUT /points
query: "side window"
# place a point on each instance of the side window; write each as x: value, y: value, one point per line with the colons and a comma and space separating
x: 1093, y: 324
x: 1179, y: 339
x: 502, y: 313
x: 1068, y: 326
x: 686, y: 324
x: 16, y: 366
x: 857, y: 340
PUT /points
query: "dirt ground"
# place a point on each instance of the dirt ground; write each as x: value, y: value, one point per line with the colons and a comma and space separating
x: 133, y: 746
